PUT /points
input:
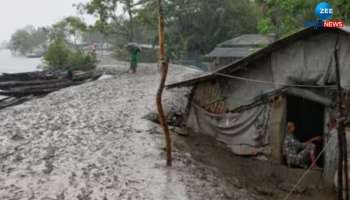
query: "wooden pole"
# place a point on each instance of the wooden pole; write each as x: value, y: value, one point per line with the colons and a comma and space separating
x: 341, y: 136
x: 346, y: 167
x: 163, y: 71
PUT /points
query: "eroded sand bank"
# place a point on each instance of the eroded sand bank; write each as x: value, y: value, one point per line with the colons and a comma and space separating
x: 89, y: 142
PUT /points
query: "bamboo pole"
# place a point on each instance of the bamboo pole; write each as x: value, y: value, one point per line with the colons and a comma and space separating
x: 163, y: 71
x: 346, y: 167
x: 341, y: 137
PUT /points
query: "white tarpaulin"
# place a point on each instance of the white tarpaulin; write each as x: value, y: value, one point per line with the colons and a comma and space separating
x: 243, y: 132
x: 312, y: 61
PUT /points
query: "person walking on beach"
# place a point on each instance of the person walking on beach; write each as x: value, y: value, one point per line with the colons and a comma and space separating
x: 134, y: 59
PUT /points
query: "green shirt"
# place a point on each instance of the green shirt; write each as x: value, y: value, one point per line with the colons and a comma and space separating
x: 134, y: 57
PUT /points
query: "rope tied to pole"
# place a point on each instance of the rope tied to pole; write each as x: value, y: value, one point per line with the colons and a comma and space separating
x: 306, y: 172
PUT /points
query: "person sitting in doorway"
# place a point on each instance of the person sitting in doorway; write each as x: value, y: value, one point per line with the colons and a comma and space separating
x: 298, y: 154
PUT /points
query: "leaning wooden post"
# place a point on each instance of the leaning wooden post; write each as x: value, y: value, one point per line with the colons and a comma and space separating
x: 341, y: 136
x: 163, y: 71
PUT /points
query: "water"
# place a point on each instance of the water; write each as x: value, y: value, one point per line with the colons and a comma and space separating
x: 14, y: 64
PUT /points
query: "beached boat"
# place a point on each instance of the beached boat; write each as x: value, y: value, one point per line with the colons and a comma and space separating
x: 29, y: 76
x: 34, y: 55
x: 40, y: 83
x: 12, y: 101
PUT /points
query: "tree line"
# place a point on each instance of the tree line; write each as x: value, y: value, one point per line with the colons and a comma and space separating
x: 73, y: 31
x: 197, y: 26
x: 27, y: 39
x: 193, y: 27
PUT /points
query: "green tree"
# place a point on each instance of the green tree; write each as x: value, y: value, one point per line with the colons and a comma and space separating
x: 61, y: 57
x: 197, y: 26
x: 284, y: 17
x: 109, y: 20
x: 57, y: 55
x: 341, y: 8
x: 70, y: 29
x: 20, y: 42
x: 28, y: 39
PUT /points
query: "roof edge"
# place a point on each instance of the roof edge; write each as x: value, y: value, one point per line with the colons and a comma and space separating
x: 234, y: 66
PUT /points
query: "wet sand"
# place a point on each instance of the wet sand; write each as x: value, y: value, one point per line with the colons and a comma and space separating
x: 90, y: 142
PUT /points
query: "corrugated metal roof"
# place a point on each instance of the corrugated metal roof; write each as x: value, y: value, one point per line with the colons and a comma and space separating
x: 232, y: 67
x: 238, y: 52
x: 248, y: 40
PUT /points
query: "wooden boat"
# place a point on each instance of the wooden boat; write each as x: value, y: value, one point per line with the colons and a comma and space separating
x: 40, y: 83
x: 11, y: 101
x: 38, y: 55
x: 29, y: 76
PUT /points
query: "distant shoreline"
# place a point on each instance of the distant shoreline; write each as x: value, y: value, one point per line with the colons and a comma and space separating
x: 14, y: 64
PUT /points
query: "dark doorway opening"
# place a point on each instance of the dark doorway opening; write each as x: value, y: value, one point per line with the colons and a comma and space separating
x: 308, y: 117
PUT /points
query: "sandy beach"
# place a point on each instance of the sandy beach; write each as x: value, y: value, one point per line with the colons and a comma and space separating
x: 90, y: 142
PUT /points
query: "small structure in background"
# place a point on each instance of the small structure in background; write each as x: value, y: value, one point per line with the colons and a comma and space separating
x: 237, y: 48
x: 149, y: 53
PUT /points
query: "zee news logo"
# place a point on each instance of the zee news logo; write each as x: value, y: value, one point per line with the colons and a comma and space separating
x: 333, y: 24
x: 324, y: 12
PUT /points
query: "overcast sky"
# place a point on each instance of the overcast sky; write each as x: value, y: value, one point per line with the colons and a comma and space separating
x: 16, y: 14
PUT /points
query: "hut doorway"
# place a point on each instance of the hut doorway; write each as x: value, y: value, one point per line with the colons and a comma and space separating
x: 308, y: 117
